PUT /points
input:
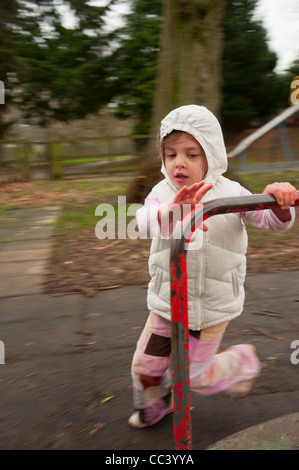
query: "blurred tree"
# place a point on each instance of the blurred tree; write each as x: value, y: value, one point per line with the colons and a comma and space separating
x: 189, y: 68
x: 189, y: 71
x: 250, y: 85
x: 64, y: 73
x: 8, y: 13
x: 293, y: 70
x: 67, y: 73
x: 188, y: 26
x: 135, y: 62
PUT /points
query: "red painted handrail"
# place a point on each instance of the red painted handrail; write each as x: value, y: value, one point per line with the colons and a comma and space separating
x: 179, y: 301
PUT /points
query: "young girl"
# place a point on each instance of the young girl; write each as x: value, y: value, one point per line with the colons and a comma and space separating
x: 194, y: 159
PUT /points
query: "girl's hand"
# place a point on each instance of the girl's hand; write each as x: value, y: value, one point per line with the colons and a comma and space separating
x: 286, y: 195
x: 191, y: 195
x: 187, y: 195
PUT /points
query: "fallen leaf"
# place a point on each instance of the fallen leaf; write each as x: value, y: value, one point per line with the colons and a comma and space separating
x: 97, y: 427
x: 84, y: 332
x: 109, y: 287
x: 104, y: 400
x: 271, y: 359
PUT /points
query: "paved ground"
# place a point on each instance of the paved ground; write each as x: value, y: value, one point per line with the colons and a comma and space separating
x: 66, y: 380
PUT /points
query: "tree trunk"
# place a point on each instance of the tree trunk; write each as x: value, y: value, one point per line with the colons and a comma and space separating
x: 189, y: 72
x: 189, y: 69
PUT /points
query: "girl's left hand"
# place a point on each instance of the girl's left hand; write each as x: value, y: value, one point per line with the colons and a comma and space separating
x: 284, y: 193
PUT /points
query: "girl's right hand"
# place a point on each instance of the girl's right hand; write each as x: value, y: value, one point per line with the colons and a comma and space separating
x: 190, y: 196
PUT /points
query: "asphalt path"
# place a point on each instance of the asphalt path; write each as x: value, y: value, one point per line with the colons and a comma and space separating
x: 65, y: 382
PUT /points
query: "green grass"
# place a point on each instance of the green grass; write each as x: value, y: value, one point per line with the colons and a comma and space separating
x: 79, y: 161
x: 258, y: 181
x: 4, y: 209
x: 79, y: 214
x: 76, y: 239
x: 74, y: 219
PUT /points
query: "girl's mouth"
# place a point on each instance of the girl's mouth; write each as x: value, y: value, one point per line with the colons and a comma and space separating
x: 180, y: 178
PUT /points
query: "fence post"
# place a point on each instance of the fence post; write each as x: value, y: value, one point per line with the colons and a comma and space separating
x: 26, y: 160
x: 55, y: 162
x: 285, y: 142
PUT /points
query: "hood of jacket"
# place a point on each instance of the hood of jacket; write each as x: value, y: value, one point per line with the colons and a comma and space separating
x: 205, y: 128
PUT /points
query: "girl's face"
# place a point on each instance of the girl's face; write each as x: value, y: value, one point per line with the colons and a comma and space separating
x: 184, y: 159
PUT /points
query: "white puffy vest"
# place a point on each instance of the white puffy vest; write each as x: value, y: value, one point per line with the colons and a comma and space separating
x: 216, y: 263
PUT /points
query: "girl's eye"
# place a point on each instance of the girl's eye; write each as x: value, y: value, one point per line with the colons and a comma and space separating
x: 171, y: 155
x: 193, y: 155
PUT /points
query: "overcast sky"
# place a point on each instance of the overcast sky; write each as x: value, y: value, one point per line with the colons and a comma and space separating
x: 281, y: 20
x: 279, y: 17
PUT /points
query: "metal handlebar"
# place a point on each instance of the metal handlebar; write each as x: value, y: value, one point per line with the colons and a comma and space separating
x: 179, y: 301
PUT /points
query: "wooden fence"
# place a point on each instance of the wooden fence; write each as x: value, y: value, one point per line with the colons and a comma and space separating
x: 67, y: 156
x: 94, y: 155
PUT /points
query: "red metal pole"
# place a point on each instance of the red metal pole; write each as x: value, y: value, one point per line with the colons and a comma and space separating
x: 179, y: 302
x: 180, y: 352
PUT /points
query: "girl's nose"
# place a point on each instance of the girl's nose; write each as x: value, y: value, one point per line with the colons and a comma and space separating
x: 180, y: 161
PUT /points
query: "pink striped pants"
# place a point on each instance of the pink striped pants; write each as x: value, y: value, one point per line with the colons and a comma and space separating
x: 210, y: 372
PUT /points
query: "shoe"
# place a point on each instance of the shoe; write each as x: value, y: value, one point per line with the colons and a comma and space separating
x: 136, y: 421
x: 243, y: 388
